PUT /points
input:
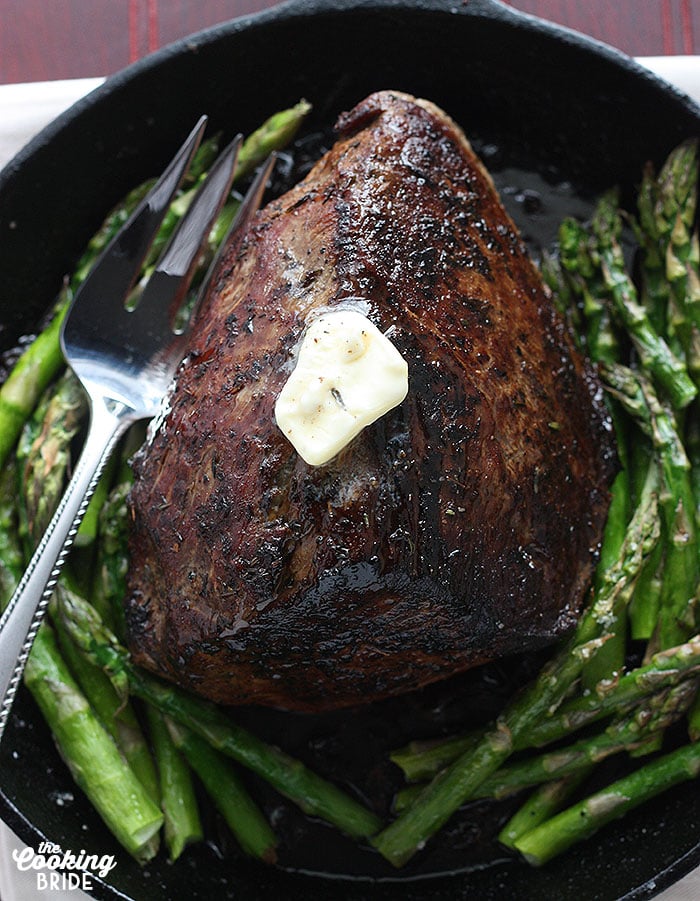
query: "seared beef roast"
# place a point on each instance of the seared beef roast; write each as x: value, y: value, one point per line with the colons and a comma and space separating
x: 461, y: 526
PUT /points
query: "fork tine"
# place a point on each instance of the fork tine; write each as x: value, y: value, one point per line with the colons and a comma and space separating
x: 253, y: 196
x: 249, y: 205
x: 119, y: 263
x: 169, y: 281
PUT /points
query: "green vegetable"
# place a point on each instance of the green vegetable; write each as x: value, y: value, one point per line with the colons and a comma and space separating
x: 225, y: 788
x: 422, y: 760
x: 177, y: 795
x: 30, y: 376
x: 584, y: 819
x: 90, y: 754
x: 542, y: 804
x: 314, y: 795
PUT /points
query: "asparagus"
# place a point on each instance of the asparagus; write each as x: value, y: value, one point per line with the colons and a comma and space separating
x: 47, y: 457
x: 609, y: 659
x: 90, y: 754
x: 627, y: 733
x: 542, y: 804
x: 28, y: 379
x: 556, y: 280
x: 666, y: 205
x: 116, y: 716
x: 274, y: 134
x: 648, y: 228
x: 585, y: 277
x: 580, y: 261
x: 11, y: 558
x: 422, y: 760
x: 43, y: 474
x: 678, y: 508
x: 409, y: 832
x: 242, y: 815
x: 646, y: 601
x: 680, y: 578
x: 674, y: 216
x: 655, y: 356
x: 584, y: 819
x: 178, y: 801
x: 314, y: 795
x: 112, y: 563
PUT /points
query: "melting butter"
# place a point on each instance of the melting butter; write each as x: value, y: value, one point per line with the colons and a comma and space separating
x: 347, y: 375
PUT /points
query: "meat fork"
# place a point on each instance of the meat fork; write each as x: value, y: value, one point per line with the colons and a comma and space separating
x: 125, y: 359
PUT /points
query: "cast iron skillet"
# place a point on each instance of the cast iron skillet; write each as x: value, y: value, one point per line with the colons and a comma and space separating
x: 552, y: 101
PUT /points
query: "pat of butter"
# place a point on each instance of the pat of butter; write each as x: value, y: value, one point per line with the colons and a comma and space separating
x: 347, y: 375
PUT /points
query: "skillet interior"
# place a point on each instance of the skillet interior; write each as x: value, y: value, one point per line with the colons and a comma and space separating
x: 553, y: 101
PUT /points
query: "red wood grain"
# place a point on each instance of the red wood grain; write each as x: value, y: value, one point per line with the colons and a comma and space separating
x: 42, y: 40
x: 638, y: 27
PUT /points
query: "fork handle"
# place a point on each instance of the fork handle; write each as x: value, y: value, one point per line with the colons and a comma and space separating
x: 21, y: 620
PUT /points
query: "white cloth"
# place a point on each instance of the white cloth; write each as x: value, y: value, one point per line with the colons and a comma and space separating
x: 24, y: 110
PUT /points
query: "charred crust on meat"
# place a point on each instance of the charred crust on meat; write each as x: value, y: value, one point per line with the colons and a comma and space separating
x: 458, y: 528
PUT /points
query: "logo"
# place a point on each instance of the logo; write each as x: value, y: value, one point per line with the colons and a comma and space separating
x: 62, y: 870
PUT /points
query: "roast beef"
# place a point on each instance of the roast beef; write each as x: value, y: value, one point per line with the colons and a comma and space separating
x: 461, y: 526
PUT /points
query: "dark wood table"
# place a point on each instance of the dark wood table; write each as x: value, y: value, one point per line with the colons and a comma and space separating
x: 42, y: 40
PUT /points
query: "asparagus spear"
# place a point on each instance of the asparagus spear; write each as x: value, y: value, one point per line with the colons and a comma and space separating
x: 117, y: 717
x: 276, y: 132
x: 421, y: 760
x: 43, y: 475
x: 48, y: 455
x: 674, y: 216
x: 178, y: 801
x: 554, y: 277
x: 314, y: 795
x: 541, y: 806
x: 655, y: 288
x: 680, y: 576
x: 666, y: 205
x: 584, y: 819
x: 655, y: 356
x: 588, y: 285
x: 29, y: 378
x: 112, y: 563
x: 242, y: 815
x: 90, y: 754
x: 11, y: 558
x: 627, y: 733
x: 579, y: 260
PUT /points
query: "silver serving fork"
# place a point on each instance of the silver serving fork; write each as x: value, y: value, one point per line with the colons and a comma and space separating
x: 125, y: 359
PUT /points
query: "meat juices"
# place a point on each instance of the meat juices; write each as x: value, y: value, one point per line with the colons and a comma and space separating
x: 461, y: 526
